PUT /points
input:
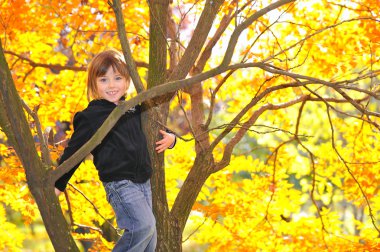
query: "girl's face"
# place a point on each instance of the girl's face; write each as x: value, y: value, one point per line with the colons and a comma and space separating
x: 112, y: 86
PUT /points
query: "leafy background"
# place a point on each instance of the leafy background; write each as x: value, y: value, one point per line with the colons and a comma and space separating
x: 282, y: 191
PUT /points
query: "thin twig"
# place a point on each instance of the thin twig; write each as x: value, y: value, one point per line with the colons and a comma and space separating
x: 69, y: 207
x: 371, y: 215
x: 44, y: 144
x: 72, y: 218
x: 311, y: 155
x: 179, y: 96
x: 93, y: 205
x: 195, y: 230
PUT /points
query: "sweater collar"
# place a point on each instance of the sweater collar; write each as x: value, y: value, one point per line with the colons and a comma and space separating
x: 104, y: 102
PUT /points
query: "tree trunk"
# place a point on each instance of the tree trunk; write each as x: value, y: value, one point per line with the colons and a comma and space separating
x: 16, y: 127
x: 54, y: 221
x: 157, y: 76
x: 172, y: 225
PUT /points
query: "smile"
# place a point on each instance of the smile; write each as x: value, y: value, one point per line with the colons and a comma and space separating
x: 112, y: 92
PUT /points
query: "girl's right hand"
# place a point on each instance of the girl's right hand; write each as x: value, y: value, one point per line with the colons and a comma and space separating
x: 57, y: 192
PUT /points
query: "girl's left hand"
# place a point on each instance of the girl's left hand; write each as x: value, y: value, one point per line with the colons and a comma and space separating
x: 165, y: 142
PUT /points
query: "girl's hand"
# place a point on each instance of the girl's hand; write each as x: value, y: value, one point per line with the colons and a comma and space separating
x: 166, y: 141
x: 57, y: 192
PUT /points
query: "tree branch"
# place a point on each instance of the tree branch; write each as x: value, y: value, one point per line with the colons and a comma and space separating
x: 206, y: 54
x: 122, y: 108
x: 240, y: 28
x: 92, y: 204
x: 56, y: 67
x: 273, y: 182
x: 213, y: 96
x: 197, y: 41
x: 229, y: 147
x: 316, y: 33
x: 253, y: 102
x: 311, y: 155
x: 196, y: 91
x: 131, y: 65
x: 334, y: 86
x: 52, y: 67
x: 371, y: 215
x: 44, y: 143
x: 241, y: 132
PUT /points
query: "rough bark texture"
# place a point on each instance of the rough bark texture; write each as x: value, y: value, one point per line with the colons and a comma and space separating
x: 157, y: 76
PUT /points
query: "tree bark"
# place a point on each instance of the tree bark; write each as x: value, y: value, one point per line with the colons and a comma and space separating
x: 158, y: 10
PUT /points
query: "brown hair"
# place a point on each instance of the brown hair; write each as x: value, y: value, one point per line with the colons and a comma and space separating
x: 98, y: 67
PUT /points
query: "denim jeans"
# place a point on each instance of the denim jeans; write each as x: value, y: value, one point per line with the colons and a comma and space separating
x: 132, y: 204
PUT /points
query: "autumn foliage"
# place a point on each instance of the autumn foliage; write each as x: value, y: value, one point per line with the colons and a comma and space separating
x: 289, y: 127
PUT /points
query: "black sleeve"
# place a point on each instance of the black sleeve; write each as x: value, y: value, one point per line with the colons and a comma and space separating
x: 82, y: 133
x: 175, y: 138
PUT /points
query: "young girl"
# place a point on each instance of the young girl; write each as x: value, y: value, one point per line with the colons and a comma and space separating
x: 122, y: 158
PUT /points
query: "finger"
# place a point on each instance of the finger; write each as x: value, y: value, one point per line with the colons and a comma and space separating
x: 159, y: 149
x: 162, y: 141
x: 164, y: 133
x: 57, y: 191
x: 163, y: 146
x: 166, y: 140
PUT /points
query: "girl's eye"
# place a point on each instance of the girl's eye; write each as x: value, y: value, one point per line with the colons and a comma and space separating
x: 119, y: 78
x: 102, y: 79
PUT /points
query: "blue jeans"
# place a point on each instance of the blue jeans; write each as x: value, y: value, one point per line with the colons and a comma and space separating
x: 132, y: 204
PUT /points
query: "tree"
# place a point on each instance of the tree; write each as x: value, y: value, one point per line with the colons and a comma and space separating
x: 271, y: 64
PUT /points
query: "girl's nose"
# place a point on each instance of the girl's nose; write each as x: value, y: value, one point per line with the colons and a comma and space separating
x: 111, y: 83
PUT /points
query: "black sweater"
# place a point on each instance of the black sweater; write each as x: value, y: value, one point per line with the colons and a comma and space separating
x: 122, y: 154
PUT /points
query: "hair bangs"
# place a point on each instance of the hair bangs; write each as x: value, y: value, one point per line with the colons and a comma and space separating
x: 116, y: 63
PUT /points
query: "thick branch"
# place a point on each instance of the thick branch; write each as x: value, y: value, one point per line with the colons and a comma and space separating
x: 131, y: 65
x: 173, y: 44
x: 124, y: 106
x: 206, y: 54
x: 197, y: 41
x: 20, y: 137
x: 196, y: 91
